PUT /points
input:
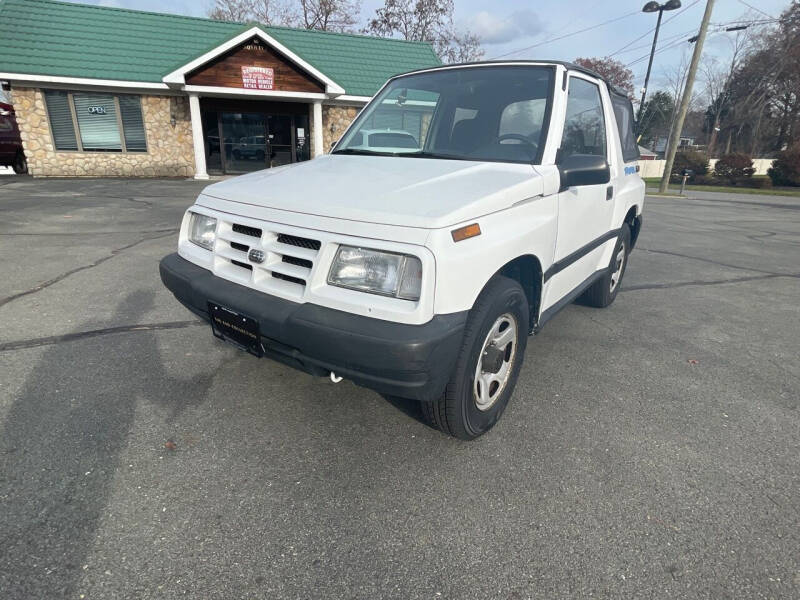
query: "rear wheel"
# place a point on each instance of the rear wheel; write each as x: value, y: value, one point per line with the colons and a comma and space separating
x: 604, y: 290
x: 20, y: 165
x: 488, y: 365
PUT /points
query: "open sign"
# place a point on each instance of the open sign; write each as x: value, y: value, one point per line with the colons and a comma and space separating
x: 96, y: 110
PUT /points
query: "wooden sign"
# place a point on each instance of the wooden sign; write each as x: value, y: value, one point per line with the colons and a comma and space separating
x: 258, y: 78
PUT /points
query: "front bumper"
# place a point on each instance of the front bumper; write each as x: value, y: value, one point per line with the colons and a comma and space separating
x: 410, y: 361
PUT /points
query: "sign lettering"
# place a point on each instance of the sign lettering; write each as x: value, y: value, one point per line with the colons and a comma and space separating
x: 96, y: 110
x: 258, y: 78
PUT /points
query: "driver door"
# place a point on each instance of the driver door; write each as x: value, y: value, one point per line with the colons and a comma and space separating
x: 585, y: 212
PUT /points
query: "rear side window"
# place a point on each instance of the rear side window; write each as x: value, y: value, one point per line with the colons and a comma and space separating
x: 623, y: 112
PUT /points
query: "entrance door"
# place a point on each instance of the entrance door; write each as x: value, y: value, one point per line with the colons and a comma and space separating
x: 280, y: 140
x: 239, y: 141
x: 245, y: 141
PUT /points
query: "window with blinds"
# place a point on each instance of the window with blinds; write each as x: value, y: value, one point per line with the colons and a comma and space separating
x: 92, y: 122
x: 97, y: 122
x: 61, y: 124
x: 130, y: 108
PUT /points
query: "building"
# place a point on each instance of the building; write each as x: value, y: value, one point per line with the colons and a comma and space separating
x: 104, y: 91
x: 645, y: 154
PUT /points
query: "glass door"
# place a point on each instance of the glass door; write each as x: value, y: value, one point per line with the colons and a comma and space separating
x: 245, y: 146
x: 302, y: 140
x: 211, y: 133
x: 280, y: 140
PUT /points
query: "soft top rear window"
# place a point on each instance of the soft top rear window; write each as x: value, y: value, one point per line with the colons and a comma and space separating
x: 623, y: 111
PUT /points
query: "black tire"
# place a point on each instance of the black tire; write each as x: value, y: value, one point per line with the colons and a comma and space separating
x: 20, y: 165
x: 603, y: 291
x: 456, y: 412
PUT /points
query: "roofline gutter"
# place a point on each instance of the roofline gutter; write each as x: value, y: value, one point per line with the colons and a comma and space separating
x: 115, y: 85
x: 83, y: 81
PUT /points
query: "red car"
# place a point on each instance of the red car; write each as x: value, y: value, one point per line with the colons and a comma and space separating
x: 11, y: 153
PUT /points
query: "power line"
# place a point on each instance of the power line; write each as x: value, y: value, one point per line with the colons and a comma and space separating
x: 675, y: 16
x: 659, y: 51
x: 636, y: 12
x: 669, y: 38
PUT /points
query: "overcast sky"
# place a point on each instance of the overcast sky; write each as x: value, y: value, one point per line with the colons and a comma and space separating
x: 529, y: 29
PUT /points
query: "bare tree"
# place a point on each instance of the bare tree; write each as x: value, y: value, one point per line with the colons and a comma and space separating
x: 230, y: 10
x: 268, y: 12
x: 330, y: 15
x: 676, y: 80
x: 718, y: 77
x: 426, y: 21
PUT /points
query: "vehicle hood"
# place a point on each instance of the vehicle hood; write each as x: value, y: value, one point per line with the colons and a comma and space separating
x: 409, y: 192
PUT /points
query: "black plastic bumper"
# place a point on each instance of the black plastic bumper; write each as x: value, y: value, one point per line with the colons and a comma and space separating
x: 410, y: 361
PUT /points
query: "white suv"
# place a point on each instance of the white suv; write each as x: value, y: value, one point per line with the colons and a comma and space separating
x: 421, y: 271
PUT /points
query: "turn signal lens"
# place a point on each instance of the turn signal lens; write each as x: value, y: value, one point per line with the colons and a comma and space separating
x: 468, y: 231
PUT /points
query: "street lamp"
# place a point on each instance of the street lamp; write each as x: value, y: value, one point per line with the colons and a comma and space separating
x: 651, y: 7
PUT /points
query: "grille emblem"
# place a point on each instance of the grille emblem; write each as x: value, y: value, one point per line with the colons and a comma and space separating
x: 256, y: 256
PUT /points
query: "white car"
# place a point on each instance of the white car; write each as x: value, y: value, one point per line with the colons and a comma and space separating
x: 421, y: 272
x: 384, y: 139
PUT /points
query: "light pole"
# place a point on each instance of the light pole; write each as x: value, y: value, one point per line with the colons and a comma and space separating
x: 649, y: 8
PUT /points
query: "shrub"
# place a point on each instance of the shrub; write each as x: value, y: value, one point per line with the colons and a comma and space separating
x: 703, y: 180
x: 758, y: 183
x: 734, y: 168
x: 785, y: 169
x: 694, y: 161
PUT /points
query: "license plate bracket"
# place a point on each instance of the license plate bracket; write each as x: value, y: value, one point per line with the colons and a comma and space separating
x: 235, y: 328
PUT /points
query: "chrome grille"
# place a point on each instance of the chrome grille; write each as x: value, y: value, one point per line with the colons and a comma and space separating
x: 289, y: 259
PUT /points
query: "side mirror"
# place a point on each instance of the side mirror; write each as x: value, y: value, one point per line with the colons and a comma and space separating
x: 583, y: 169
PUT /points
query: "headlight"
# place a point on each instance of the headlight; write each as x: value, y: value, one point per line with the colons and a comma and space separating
x: 202, y: 230
x: 377, y: 272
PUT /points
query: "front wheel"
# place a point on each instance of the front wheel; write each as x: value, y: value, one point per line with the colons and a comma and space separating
x: 488, y: 365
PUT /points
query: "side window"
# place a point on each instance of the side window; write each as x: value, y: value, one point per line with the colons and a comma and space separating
x: 5, y: 124
x: 623, y: 113
x: 584, y: 127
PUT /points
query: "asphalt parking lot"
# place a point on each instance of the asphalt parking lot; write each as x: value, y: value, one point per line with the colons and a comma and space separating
x: 652, y: 449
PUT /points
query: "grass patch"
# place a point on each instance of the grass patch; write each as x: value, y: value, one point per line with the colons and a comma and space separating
x: 728, y: 189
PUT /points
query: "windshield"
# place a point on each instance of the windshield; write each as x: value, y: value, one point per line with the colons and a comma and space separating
x: 476, y: 113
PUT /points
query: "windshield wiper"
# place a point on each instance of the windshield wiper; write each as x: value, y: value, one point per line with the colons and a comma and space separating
x: 363, y: 152
x: 424, y: 154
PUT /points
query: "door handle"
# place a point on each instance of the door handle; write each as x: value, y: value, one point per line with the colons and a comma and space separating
x: 609, y: 192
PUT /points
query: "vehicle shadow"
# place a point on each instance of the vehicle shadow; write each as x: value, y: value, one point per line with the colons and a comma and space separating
x: 59, y: 448
x: 410, y: 408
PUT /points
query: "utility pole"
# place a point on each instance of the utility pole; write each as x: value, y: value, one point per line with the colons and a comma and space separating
x: 687, y: 96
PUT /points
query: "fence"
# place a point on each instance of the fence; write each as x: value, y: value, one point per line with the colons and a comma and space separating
x: 655, y: 168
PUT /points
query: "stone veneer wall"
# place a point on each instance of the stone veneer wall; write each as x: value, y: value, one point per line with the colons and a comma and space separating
x: 170, y: 152
x: 335, y: 120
